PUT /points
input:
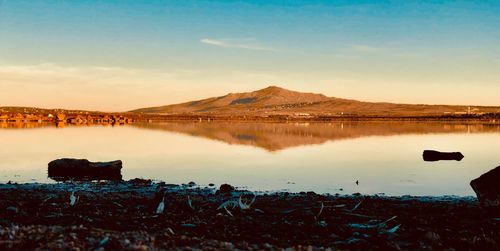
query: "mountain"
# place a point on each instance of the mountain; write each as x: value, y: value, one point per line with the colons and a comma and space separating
x: 274, y: 100
x: 265, y: 98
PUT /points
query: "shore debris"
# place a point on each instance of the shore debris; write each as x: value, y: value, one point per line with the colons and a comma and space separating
x: 375, y: 228
x: 12, y: 209
x: 73, y: 199
x: 394, y: 229
x: 431, y: 155
x: 104, y: 242
x: 170, y: 231
x: 118, y: 204
x: 246, y: 205
x: 355, y: 207
x: 230, y: 203
x: 190, y: 202
x: 161, y: 206
x: 320, y: 210
x: 319, y: 220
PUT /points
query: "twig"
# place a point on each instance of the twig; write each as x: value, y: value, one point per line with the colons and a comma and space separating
x: 244, y: 206
x: 118, y: 204
x: 355, y: 207
x: 190, y: 203
x: 360, y: 215
x: 320, y: 210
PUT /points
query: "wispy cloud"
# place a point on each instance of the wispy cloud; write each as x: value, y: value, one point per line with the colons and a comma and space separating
x: 58, y: 75
x: 393, y: 49
x: 247, y: 43
x: 365, y: 48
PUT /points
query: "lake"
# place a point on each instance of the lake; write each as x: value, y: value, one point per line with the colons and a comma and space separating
x: 385, y: 157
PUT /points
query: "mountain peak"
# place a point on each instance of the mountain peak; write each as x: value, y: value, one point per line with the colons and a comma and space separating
x: 272, y: 88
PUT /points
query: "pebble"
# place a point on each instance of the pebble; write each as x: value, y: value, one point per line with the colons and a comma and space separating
x: 432, y: 236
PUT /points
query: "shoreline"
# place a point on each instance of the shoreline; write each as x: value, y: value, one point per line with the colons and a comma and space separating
x: 121, y: 216
x: 68, y: 117
x: 212, y: 120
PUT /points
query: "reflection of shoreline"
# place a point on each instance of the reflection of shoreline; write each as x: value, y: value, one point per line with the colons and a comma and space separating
x: 279, y: 136
x: 22, y: 125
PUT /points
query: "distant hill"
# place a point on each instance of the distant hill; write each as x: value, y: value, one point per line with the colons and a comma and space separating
x: 37, y: 110
x: 274, y: 100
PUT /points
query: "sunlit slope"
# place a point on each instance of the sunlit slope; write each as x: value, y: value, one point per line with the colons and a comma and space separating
x: 276, y: 100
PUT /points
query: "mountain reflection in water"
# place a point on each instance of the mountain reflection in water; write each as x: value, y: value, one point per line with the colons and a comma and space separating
x: 279, y: 136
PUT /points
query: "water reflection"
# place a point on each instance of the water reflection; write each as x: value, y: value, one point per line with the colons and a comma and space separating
x: 321, y: 157
x: 279, y: 136
x: 33, y: 125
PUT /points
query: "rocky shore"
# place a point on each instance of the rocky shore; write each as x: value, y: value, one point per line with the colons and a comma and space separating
x: 128, y: 216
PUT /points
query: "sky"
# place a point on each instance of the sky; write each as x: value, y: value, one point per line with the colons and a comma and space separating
x: 122, y: 55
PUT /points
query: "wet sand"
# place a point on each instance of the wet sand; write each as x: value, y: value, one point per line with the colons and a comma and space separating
x: 122, y: 216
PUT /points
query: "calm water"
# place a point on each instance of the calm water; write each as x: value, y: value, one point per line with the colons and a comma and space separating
x: 322, y: 157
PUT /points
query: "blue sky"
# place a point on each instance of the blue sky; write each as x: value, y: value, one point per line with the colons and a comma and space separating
x: 120, y: 55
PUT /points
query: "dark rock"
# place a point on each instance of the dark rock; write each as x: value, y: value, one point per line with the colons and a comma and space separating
x: 226, y: 189
x: 310, y: 193
x: 192, y: 184
x: 487, y: 188
x: 82, y: 169
x: 431, y: 155
x: 211, y: 184
x: 141, y: 182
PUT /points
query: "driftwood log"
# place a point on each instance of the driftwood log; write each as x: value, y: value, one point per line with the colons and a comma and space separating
x: 431, y: 155
x: 82, y: 169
